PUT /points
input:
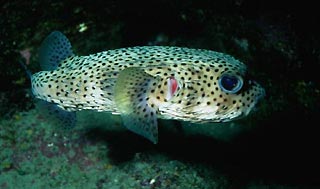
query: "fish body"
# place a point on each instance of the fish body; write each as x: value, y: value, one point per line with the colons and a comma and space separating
x: 145, y: 83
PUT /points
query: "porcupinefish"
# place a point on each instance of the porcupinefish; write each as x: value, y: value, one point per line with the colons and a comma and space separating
x: 144, y: 83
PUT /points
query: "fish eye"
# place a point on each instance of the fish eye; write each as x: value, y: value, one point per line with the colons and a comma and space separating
x: 230, y: 83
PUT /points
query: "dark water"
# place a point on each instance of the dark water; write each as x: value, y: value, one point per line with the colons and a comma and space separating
x: 279, y: 42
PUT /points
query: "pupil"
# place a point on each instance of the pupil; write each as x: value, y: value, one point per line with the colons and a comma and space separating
x: 229, y: 82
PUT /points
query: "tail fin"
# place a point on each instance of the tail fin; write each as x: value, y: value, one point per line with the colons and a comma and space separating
x: 55, y: 48
x: 28, y: 72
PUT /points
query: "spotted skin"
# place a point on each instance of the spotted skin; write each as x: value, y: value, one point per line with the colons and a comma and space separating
x: 88, y: 82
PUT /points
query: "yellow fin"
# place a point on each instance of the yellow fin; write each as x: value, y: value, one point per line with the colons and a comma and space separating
x: 131, y: 100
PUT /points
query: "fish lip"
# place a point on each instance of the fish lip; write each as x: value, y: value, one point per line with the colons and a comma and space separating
x: 259, y: 98
x: 262, y: 95
x: 262, y: 90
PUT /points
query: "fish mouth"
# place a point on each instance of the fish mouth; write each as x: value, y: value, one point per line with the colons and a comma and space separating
x: 262, y: 92
x: 259, y: 97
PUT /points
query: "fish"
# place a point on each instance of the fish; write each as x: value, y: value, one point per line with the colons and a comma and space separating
x: 144, y: 83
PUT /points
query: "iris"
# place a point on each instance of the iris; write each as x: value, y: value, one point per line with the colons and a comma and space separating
x: 230, y: 83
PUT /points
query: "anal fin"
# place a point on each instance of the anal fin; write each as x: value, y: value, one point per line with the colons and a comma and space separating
x: 61, y: 118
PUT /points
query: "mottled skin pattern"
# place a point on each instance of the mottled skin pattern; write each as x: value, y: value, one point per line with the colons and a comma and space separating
x: 87, y: 82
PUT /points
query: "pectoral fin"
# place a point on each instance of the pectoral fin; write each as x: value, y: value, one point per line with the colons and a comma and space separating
x: 131, y: 93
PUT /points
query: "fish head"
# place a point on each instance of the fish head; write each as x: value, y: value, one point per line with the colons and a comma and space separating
x: 236, y: 94
x: 216, y: 91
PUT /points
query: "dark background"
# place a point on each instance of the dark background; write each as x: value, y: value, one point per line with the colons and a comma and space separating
x: 283, y: 54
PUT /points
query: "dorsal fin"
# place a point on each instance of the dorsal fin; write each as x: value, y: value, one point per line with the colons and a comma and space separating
x: 131, y: 93
x: 54, y: 49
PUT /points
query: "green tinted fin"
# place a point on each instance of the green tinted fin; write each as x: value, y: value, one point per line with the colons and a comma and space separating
x: 59, y: 117
x: 54, y: 49
x: 131, y: 92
